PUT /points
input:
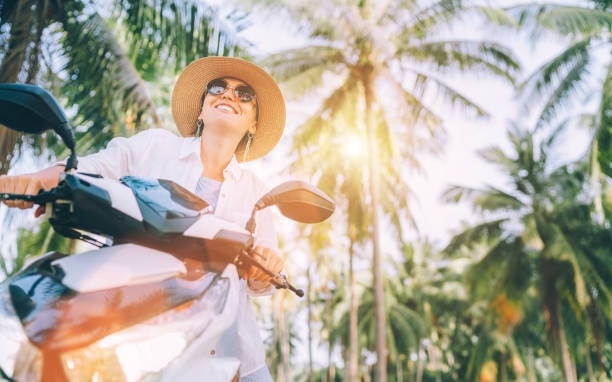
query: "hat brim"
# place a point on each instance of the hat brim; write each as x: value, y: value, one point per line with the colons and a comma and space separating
x: 191, y: 84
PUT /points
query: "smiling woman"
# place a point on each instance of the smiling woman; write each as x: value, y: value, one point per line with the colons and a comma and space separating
x: 227, y: 114
x: 187, y: 95
x: 238, y: 125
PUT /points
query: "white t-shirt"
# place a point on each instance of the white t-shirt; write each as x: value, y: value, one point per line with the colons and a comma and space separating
x: 158, y: 153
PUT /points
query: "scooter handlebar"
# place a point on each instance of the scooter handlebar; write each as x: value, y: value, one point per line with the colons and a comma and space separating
x: 41, y: 198
x: 279, y: 280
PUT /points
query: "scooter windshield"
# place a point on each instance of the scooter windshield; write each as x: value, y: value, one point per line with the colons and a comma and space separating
x: 165, y: 197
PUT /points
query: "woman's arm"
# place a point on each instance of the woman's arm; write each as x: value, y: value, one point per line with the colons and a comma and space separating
x: 29, y: 184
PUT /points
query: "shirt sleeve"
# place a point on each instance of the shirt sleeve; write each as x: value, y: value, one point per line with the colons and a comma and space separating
x: 265, y: 231
x: 122, y: 156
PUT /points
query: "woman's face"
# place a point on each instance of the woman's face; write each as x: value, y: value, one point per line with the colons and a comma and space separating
x: 226, y: 112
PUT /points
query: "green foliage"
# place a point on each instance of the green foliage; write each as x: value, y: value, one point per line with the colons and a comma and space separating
x: 557, y: 265
x: 604, y: 133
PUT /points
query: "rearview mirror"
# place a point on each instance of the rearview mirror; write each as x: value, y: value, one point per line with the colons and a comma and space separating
x: 296, y: 200
x: 299, y: 201
x: 33, y: 110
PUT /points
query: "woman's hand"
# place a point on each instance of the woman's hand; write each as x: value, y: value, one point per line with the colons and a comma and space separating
x: 29, y: 184
x: 20, y: 184
x: 257, y: 279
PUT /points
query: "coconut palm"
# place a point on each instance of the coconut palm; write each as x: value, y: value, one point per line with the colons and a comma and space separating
x: 406, y: 327
x: 322, y: 272
x: 375, y: 65
x: 540, y: 240
x: 578, y: 75
x: 417, y: 301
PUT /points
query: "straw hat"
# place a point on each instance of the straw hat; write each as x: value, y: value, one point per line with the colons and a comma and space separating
x: 191, y: 84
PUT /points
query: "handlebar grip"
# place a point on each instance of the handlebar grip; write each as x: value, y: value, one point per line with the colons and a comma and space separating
x: 41, y: 198
x: 279, y: 281
x: 27, y: 198
x: 285, y: 284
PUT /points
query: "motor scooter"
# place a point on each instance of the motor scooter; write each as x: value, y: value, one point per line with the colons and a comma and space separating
x: 159, y: 287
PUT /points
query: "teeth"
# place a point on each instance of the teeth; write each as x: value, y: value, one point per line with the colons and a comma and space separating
x: 225, y: 107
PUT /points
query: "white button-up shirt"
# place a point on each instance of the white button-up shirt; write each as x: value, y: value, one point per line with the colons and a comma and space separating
x: 158, y: 153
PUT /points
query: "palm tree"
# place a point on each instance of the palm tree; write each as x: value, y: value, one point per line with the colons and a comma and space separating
x: 540, y: 240
x: 408, y: 319
x: 396, y: 330
x: 322, y: 274
x: 378, y: 63
x: 580, y: 73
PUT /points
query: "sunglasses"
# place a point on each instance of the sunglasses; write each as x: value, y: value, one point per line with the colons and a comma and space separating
x: 244, y: 92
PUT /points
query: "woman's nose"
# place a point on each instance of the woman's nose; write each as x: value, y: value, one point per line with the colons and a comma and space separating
x: 229, y: 94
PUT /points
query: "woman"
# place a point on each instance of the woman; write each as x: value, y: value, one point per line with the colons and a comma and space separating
x: 227, y: 110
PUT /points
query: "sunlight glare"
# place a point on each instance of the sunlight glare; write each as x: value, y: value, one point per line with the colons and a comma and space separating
x: 354, y: 146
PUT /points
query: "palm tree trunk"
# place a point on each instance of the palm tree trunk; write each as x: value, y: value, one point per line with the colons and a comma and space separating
x: 420, y: 363
x: 381, y: 339
x: 353, y: 364
x: 531, y: 377
x: 595, y: 177
x: 400, y: 368
x: 569, y: 368
x: 311, y: 376
x: 555, y: 329
x: 329, y: 327
x: 589, y: 364
x: 283, y: 334
x: 503, y: 366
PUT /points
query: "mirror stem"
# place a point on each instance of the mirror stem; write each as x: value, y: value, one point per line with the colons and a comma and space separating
x: 71, y: 163
x: 250, y: 225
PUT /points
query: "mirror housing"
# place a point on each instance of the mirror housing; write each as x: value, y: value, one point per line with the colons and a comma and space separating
x: 296, y: 200
x: 31, y: 109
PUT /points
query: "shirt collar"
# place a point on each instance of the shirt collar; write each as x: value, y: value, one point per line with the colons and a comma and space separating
x: 191, y: 146
x: 233, y: 169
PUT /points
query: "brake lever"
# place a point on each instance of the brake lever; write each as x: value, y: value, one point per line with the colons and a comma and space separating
x: 41, y: 198
x: 279, y: 281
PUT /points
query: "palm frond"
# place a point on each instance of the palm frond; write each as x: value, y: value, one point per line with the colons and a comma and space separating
x: 568, y: 20
x: 604, y: 133
x: 508, y: 269
x: 301, y: 70
x: 475, y: 235
x: 103, y: 82
x: 178, y: 32
x: 568, y: 86
x: 451, y: 55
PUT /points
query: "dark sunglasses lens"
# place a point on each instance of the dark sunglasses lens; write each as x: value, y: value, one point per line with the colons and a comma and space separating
x: 216, y: 87
x: 245, y: 93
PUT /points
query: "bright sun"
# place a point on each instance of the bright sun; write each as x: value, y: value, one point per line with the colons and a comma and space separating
x: 354, y: 146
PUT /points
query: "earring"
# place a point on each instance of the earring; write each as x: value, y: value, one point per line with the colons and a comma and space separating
x: 247, y: 147
x: 199, y: 127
